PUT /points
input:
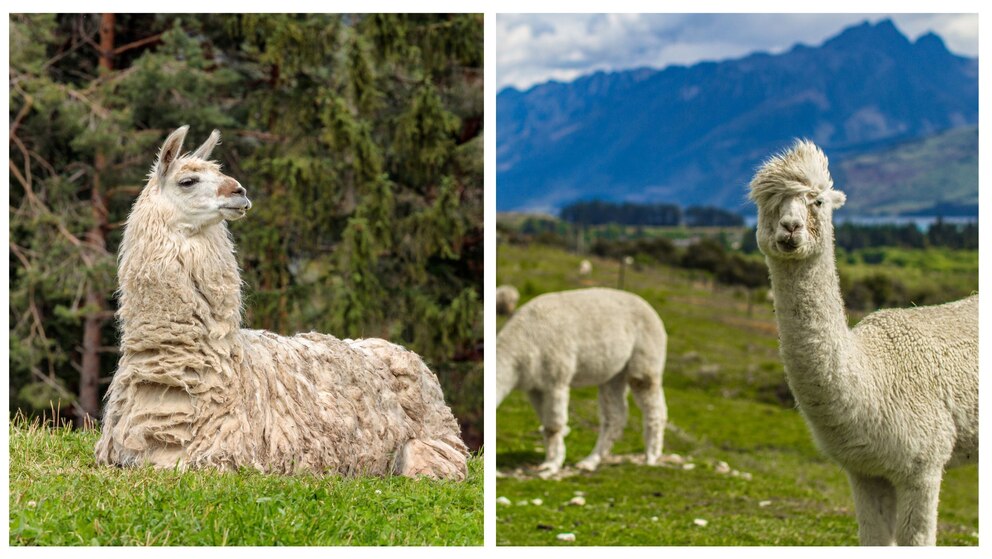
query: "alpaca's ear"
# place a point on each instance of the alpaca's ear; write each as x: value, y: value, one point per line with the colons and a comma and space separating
x: 836, y: 198
x: 203, y: 151
x: 170, y: 152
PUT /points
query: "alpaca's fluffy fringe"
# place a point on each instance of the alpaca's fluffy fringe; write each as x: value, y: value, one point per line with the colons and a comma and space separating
x: 802, y: 169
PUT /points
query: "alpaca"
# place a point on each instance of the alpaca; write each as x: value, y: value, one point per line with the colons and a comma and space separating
x: 585, y: 267
x: 895, y: 399
x: 507, y: 297
x: 193, y: 389
x: 584, y: 337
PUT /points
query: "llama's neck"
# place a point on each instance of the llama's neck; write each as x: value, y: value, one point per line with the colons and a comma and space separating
x: 176, y: 289
x: 816, y: 344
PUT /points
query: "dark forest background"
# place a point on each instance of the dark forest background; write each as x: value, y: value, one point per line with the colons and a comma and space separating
x: 358, y: 137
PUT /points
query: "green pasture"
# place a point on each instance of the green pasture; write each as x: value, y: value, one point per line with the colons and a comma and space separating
x: 59, y: 496
x: 755, y: 478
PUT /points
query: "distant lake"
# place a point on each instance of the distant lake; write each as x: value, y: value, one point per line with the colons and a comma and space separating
x: 922, y: 222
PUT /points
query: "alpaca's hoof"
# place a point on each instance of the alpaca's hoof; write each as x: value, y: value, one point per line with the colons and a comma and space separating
x: 589, y: 463
x: 548, y: 470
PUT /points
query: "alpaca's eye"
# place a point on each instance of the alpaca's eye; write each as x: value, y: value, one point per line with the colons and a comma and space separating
x: 189, y: 181
x: 819, y: 202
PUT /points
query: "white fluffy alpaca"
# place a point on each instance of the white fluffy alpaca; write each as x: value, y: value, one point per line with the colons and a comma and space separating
x: 585, y: 267
x: 193, y: 389
x: 605, y: 337
x: 507, y: 298
x: 894, y: 400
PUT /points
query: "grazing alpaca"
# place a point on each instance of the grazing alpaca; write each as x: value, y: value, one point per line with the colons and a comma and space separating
x: 586, y: 337
x: 895, y: 400
x: 507, y: 297
x: 585, y: 267
x: 193, y: 389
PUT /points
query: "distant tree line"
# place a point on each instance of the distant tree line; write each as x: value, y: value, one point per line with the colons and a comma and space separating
x: 746, y: 268
x: 709, y: 254
x: 600, y: 212
x: 850, y: 236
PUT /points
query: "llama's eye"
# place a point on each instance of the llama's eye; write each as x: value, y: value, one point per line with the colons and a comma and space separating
x: 819, y: 202
x: 189, y: 181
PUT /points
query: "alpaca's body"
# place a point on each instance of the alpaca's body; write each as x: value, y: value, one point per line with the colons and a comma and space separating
x: 193, y: 389
x: 893, y: 400
x: 586, y: 337
x: 507, y: 298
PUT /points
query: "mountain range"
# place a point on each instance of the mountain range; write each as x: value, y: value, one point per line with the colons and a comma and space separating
x: 694, y: 135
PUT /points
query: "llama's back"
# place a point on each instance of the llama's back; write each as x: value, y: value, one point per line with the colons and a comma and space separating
x: 928, y: 357
x: 366, y: 407
x: 419, y: 393
x: 313, y: 403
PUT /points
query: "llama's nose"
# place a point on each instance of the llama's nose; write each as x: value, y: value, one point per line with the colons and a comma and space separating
x: 240, y: 190
x: 791, y: 224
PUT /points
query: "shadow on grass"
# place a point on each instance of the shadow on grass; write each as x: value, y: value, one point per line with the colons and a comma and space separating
x: 517, y: 459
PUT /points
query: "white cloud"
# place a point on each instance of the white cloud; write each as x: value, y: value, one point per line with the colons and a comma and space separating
x: 535, y: 48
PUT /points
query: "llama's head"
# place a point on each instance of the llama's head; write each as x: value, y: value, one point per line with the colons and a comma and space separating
x: 795, y: 198
x: 192, y: 188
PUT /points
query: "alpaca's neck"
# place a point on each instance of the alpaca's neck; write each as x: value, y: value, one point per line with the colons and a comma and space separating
x: 173, y: 284
x: 507, y: 374
x: 816, y: 344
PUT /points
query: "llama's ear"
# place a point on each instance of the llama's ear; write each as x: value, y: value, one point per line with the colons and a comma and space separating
x: 836, y: 198
x: 203, y: 152
x: 170, y: 151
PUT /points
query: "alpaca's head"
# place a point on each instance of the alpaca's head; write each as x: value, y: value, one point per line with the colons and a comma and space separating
x: 191, y: 189
x: 795, y: 198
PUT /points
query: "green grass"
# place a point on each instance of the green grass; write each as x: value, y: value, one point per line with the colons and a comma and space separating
x: 59, y: 496
x: 723, y: 384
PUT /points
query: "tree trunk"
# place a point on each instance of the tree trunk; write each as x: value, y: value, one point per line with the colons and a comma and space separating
x: 96, y: 237
x: 107, y: 41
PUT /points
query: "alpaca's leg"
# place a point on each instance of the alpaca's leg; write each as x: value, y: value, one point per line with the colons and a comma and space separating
x: 650, y: 398
x: 612, y: 419
x: 554, y: 418
x: 875, y: 506
x: 916, y: 519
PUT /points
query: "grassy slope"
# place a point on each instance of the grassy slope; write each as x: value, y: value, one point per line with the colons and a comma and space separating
x: 905, y: 177
x: 58, y: 496
x: 722, y: 365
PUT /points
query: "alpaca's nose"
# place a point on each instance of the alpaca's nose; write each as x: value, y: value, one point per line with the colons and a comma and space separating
x: 791, y: 224
x: 241, y: 191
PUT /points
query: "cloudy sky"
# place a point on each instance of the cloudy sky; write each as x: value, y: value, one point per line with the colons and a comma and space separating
x: 535, y: 48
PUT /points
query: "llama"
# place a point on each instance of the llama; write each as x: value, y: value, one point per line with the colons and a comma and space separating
x: 895, y: 399
x: 507, y: 297
x: 193, y: 389
x: 584, y: 337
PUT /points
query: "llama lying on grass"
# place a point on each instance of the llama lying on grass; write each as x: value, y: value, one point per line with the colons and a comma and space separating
x: 605, y: 337
x: 895, y: 400
x: 193, y: 389
x: 507, y: 298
